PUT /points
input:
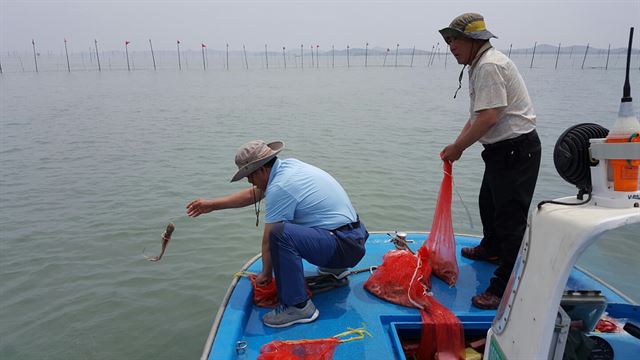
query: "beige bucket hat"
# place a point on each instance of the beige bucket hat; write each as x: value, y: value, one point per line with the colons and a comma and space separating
x: 469, y: 25
x: 252, y: 155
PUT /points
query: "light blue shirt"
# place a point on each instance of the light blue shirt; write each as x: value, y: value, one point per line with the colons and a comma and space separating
x: 302, y: 194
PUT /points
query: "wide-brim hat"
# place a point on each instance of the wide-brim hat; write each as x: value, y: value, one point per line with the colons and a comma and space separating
x: 469, y: 25
x: 253, y: 155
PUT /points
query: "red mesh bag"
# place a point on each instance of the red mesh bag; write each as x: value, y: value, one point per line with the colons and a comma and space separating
x: 392, y: 281
x: 444, y: 326
x: 441, y: 241
x: 266, y: 295
x: 321, y: 349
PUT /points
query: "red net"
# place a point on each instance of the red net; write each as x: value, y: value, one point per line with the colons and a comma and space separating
x: 404, y: 279
x: 441, y: 241
x: 441, y: 325
x: 266, y: 295
x: 392, y: 280
x: 321, y: 349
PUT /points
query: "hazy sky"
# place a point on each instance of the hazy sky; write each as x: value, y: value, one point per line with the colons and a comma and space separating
x: 291, y: 23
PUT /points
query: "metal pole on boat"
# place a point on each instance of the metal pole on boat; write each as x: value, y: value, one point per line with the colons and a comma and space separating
x: 302, y: 56
x: 266, y: 57
x: 284, y: 58
x: 179, y: 62
x: 246, y: 63
x: 67, y: 53
x: 509, y: 56
x: 585, y: 55
x: 153, y: 57
x: 607, y: 64
x: 126, y: 50
x: 413, y: 52
x: 533, y: 55
x: 558, y: 55
x: 35, y: 59
x: 348, y: 63
x: 396, y: 62
x: 366, y: 53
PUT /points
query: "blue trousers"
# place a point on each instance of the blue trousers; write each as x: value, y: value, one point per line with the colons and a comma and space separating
x: 290, y: 243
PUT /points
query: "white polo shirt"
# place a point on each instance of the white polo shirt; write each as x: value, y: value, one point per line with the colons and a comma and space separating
x: 494, y: 82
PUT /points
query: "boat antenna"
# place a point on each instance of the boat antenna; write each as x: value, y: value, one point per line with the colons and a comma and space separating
x: 626, y: 89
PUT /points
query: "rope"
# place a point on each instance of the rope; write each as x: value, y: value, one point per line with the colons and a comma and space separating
x: 461, y: 200
x: 361, y: 331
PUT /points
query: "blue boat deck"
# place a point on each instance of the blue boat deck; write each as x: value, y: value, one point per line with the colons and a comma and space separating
x: 352, y: 306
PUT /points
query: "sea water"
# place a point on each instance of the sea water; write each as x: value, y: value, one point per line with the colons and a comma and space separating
x: 95, y: 164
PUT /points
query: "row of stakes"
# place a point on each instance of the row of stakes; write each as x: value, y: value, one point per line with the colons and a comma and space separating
x: 435, y: 50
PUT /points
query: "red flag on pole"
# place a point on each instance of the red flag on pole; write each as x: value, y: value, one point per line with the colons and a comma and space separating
x: 127, y: 42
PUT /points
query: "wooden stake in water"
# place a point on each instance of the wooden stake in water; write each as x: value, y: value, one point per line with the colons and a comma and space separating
x: 313, y: 64
x: 302, y: 56
x: 179, y: 62
x: 333, y: 56
x: 0, y: 67
x: 608, y: 51
x: 97, y: 54
x: 35, y: 58
x: 67, y: 53
x: 509, y: 56
x: 431, y: 55
x: 396, y: 62
x: 348, y: 62
x: 384, y: 61
x: 317, y: 56
x: 126, y: 50
x: 533, y: 55
x: 446, y: 55
x: 266, y: 57
x: 204, y: 61
x: 284, y: 58
x: 585, y: 55
x: 153, y: 56
x: 246, y: 63
x: 227, y: 65
x: 558, y: 55
x: 366, y: 53
x: 413, y: 52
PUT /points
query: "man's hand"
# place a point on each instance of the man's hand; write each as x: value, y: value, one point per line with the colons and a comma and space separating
x: 263, y: 279
x: 198, y: 207
x: 451, y: 152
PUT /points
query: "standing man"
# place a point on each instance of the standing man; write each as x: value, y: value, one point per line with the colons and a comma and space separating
x: 308, y: 216
x: 503, y: 121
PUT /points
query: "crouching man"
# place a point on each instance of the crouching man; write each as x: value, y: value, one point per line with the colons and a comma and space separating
x: 308, y: 216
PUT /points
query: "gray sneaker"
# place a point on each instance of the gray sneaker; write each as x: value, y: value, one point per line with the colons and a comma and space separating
x: 283, y: 316
x: 337, y: 273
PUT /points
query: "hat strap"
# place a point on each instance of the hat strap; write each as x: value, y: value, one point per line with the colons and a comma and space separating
x: 459, y: 81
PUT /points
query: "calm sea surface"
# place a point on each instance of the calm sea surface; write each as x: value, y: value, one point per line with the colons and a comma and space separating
x: 95, y: 164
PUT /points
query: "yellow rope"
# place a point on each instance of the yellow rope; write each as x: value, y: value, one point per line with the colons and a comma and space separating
x: 244, y: 273
x: 360, y: 331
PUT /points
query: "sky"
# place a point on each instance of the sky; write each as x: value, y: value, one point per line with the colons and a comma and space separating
x: 291, y: 23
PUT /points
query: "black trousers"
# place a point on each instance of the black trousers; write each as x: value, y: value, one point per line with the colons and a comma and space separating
x: 510, y: 175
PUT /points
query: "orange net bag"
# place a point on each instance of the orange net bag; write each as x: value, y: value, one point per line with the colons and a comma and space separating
x: 321, y: 349
x: 266, y: 295
x: 317, y: 349
x: 390, y: 281
x: 441, y: 240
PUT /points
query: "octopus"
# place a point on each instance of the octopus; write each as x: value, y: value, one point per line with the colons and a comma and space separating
x: 166, y: 236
